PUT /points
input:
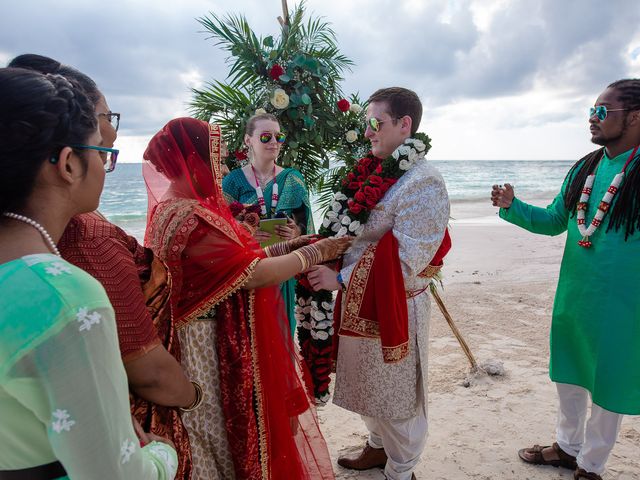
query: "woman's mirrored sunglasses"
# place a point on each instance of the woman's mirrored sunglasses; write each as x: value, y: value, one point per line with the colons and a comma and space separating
x: 265, y: 137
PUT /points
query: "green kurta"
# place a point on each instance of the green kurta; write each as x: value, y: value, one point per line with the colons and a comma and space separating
x: 595, y: 330
x: 293, y: 199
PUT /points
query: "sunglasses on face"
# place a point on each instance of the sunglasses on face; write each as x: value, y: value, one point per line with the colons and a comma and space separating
x: 265, y: 137
x: 109, y: 155
x: 374, y: 124
x: 601, y: 111
x: 112, y: 118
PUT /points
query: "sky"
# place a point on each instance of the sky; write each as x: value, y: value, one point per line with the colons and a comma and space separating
x: 499, y: 79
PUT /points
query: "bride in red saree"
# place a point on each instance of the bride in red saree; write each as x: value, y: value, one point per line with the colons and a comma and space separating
x: 257, y: 420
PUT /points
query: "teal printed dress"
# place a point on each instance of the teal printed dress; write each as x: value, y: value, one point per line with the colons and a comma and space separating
x: 595, y: 329
x: 293, y: 200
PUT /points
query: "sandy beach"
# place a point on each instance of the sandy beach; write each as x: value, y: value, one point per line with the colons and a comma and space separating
x: 499, y: 283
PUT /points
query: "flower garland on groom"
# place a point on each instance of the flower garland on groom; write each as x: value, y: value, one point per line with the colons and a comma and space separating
x: 362, y: 188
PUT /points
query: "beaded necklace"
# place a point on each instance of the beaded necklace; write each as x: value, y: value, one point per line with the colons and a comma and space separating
x: 604, y: 205
x: 45, y: 235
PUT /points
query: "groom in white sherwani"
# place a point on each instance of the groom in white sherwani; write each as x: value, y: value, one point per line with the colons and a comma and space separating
x: 386, y: 385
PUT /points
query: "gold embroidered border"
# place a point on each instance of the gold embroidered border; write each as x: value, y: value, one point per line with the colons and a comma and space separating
x: 395, y: 354
x: 206, y: 305
x: 262, y: 434
x: 351, y: 320
x: 214, y: 153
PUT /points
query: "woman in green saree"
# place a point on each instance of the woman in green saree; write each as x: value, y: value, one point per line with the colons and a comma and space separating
x: 279, y: 191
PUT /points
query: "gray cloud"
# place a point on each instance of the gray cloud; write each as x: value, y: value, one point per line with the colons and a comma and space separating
x: 139, y: 52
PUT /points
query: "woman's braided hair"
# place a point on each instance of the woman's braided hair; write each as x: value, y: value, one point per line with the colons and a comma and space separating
x: 39, y: 115
x: 625, y: 210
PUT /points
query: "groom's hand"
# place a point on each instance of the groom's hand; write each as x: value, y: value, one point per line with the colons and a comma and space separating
x: 322, y: 278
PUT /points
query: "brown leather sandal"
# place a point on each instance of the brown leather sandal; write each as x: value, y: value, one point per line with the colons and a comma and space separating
x: 582, y: 473
x: 534, y: 456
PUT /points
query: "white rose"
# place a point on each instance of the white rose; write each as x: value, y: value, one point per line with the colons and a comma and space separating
x: 419, y: 145
x: 404, y: 165
x: 331, y: 215
x: 404, y: 149
x: 353, y: 226
x: 355, y: 108
x: 336, y: 206
x: 345, y: 220
x: 327, y: 306
x: 320, y: 335
x: 261, y: 111
x: 279, y: 99
x: 339, y: 196
x: 395, y: 154
x: 335, y: 227
x: 413, y: 155
x: 342, y: 232
x: 351, y: 136
x: 326, y: 222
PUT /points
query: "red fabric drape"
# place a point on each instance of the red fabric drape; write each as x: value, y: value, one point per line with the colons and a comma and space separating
x: 270, y: 421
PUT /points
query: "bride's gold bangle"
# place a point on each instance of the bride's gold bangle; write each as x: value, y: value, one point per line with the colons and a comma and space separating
x: 196, y: 403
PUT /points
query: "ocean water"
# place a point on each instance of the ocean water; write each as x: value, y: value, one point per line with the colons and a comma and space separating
x: 124, y: 200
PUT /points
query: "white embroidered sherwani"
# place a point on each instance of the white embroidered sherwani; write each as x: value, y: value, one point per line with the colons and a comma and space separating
x: 417, y: 209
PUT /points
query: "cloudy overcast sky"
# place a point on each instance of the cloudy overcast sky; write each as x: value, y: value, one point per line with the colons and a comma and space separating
x: 499, y: 79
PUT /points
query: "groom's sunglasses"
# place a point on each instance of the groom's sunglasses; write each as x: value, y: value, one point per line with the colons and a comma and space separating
x: 266, y: 137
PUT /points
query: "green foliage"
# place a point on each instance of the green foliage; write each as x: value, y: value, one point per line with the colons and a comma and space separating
x: 302, y: 67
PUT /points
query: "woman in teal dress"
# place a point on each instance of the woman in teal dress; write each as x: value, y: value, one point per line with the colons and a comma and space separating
x: 279, y: 191
x: 64, y: 399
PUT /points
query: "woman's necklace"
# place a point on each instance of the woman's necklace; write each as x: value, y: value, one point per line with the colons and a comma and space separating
x: 604, y: 206
x: 260, y: 194
x: 45, y: 235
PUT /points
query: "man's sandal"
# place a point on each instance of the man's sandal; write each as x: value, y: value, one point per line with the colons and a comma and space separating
x: 533, y: 455
x: 581, y: 473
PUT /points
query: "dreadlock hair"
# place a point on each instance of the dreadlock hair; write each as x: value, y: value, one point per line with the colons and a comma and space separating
x: 625, y: 209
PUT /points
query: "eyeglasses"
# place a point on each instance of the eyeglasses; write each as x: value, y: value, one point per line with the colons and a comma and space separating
x: 109, y: 155
x: 601, y: 111
x: 265, y: 137
x: 112, y: 118
x: 374, y: 123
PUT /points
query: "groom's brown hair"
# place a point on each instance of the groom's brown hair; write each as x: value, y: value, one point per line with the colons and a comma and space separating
x: 400, y: 102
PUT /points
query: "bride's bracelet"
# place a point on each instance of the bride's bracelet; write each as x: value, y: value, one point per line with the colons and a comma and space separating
x: 309, y: 256
x: 196, y: 403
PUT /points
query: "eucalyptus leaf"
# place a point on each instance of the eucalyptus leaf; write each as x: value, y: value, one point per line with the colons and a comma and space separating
x: 285, y: 78
x: 306, y: 99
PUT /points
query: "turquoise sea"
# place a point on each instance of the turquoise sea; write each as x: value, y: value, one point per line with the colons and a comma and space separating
x: 124, y: 200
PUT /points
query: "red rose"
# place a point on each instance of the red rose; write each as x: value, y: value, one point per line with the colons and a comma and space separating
x: 355, y: 208
x: 372, y: 192
x: 236, y: 208
x: 303, y: 281
x: 240, y: 155
x: 276, y: 71
x: 351, y: 177
x: 375, y: 181
x: 354, y: 185
x: 359, y: 197
x: 378, y: 169
x: 343, y: 105
x: 371, y: 203
x: 365, y: 162
x: 362, y: 169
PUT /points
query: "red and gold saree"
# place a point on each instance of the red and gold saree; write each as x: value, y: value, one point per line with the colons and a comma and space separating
x: 269, y: 421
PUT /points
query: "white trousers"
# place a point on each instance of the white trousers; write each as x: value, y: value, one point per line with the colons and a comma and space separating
x: 592, y: 440
x: 403, y: 440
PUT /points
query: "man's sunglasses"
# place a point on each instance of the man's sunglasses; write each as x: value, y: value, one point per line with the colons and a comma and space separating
x: 265, y: 137
x: 112, y: 118
x: 375, y: 124
x: 109, y: 155
x: 601, y: 111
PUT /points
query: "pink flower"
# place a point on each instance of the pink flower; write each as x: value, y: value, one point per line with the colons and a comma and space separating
x: 343, y: 105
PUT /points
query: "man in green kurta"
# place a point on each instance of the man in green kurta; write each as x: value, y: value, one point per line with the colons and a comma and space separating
x: 595, y: 331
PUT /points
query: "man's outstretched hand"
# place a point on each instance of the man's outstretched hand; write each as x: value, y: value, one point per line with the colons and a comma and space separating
x: 502, y: 196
